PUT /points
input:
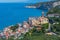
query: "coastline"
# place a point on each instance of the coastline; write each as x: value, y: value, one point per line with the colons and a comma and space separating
x: 31, y: 22
x: 25, y: 26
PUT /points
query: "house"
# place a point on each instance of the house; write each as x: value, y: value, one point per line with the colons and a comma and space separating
x: 26, y: 25
x: 34, y: 22
x: 51, y: 33
x: 41, y: 20
x: 54, y: 15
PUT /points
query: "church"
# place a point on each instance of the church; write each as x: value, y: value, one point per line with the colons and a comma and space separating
x: 43, y: 19
x: 40, y: 20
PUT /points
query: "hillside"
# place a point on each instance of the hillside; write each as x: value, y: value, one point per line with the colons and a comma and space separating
x: 42, y: 5
x: 54, y: 10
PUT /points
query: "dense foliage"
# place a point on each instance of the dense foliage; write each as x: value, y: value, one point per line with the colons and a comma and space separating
x: 41, y: 36
x: 54, y: 10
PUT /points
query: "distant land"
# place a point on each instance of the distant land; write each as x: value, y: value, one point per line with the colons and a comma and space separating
x: 42, y: 5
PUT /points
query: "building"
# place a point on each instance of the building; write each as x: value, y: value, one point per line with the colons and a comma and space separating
x: 54, y: 15
x: 34, y: 22
x: 43, y: 19
x: 26, y: 25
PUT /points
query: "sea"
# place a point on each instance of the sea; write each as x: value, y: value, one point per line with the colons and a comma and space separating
x: 13, y: 13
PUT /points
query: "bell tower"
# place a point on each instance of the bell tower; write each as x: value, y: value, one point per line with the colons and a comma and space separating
x: 42, y: 13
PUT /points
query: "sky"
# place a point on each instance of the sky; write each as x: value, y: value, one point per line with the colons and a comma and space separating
x: 23, y: 0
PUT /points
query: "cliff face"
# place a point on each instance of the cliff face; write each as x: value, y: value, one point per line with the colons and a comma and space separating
x: 47, y: 5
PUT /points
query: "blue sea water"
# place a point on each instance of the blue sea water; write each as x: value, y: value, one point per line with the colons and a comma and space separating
x: 12, y: 13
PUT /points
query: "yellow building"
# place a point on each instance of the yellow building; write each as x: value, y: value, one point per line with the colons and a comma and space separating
x: 42, y: 19
x: 35, y: 22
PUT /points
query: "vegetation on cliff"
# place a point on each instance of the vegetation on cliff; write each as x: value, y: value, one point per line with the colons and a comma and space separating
x: 54, y: 10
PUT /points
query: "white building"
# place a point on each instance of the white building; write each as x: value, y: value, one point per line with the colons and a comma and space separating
x: 56, y: 4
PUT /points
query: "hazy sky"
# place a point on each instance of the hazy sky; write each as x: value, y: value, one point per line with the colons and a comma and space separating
x: 22, y: 0
x: 13, y: 0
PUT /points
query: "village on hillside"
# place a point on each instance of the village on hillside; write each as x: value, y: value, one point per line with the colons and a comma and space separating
x: 36, y: 28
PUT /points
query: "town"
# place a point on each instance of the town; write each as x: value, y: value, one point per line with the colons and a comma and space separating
x: 44, y: 26
x: 25, y: 27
